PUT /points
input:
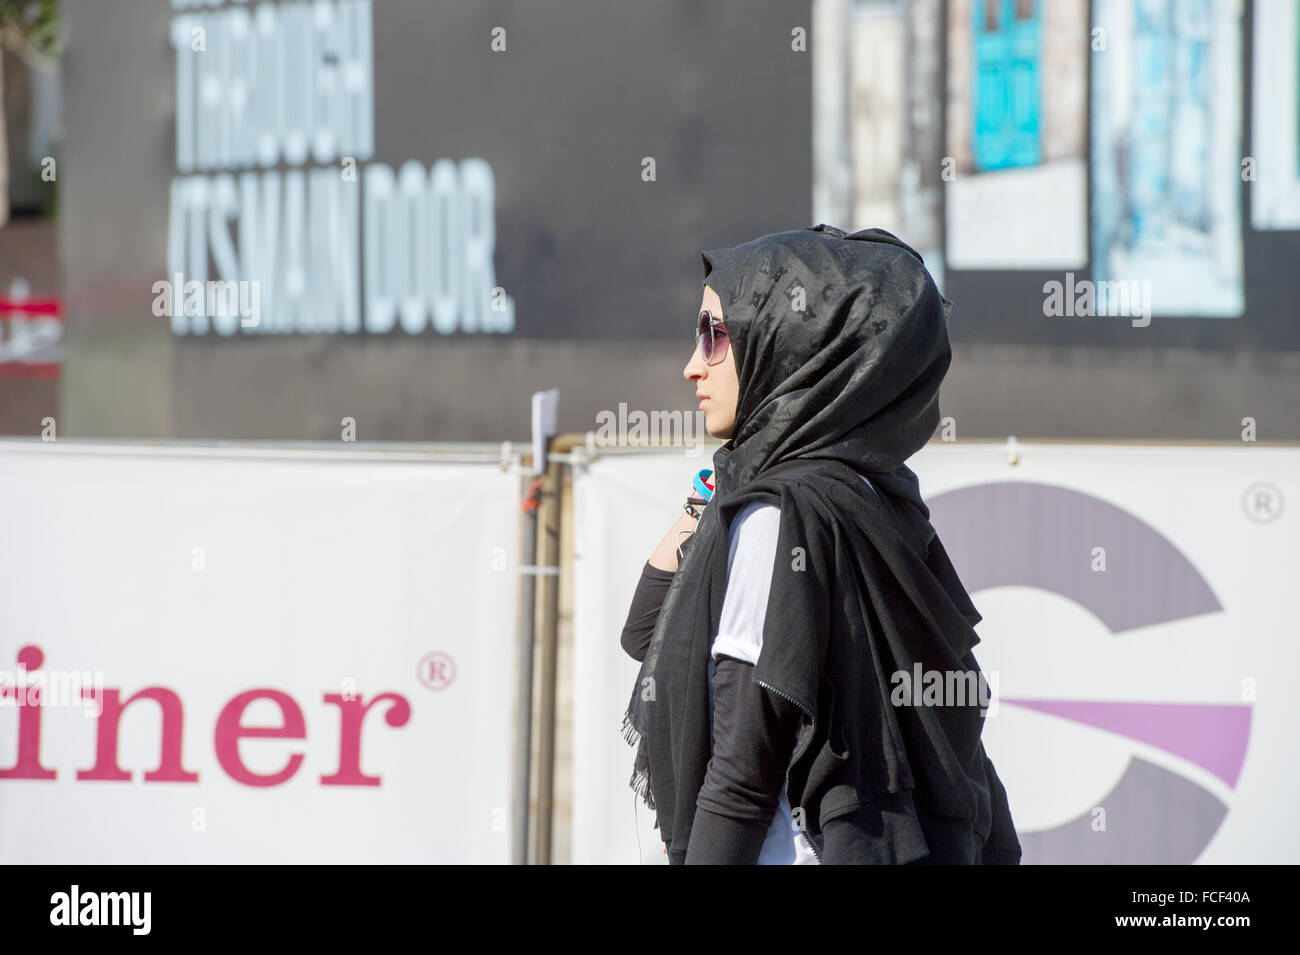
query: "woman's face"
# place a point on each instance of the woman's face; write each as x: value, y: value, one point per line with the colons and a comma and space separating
x: 716, y: 384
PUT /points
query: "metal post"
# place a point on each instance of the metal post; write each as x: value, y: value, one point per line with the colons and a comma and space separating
x: 548, y: 554
x: 524, y: 677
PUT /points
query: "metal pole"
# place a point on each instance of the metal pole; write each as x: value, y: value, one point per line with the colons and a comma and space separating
x: 524, y: 677
x: 548, y: 553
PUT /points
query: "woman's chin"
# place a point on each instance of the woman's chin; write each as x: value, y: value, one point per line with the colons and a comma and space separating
x: 721, y: 431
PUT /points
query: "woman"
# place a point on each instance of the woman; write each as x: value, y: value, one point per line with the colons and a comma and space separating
x: 767, y: 715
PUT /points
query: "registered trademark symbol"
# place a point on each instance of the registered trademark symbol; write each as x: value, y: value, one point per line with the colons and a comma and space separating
x: 437, y: 670
x: 1262, y: 503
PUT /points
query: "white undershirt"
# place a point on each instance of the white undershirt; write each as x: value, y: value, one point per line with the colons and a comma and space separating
x: 750, y: 564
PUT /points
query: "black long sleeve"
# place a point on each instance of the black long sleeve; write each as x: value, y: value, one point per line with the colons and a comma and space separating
x: 754, y: 735
x: 647, y: 601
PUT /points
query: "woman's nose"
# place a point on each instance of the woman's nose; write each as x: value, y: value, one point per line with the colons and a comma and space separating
x: 694, y: 368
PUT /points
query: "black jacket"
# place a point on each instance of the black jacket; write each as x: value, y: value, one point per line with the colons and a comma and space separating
x: 840, y: 343
x: 753, y: 732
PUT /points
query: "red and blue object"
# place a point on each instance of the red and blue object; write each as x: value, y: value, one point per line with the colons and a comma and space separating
x: 704, y: 486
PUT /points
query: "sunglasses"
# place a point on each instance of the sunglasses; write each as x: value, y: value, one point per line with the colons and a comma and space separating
x: 711, y: 337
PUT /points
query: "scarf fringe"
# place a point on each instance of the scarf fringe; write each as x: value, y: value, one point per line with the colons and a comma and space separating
x: 640, y: 783
x: 640, y: 779
x: 630, y: 735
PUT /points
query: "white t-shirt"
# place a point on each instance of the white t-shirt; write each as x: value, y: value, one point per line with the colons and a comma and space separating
x: 750, y: 564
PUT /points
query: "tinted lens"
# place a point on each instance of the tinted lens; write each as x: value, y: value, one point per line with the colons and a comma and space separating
x: 710, y: 336
x: 719, y: 342
x: 704, y: 335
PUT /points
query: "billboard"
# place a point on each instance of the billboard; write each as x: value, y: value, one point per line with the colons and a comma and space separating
x: 367, y: 205
x: 254, y: 656
x: 1130, y: 598
x: 1112, y: 174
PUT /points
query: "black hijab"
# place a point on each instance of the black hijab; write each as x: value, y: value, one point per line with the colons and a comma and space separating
x: 840, y: 343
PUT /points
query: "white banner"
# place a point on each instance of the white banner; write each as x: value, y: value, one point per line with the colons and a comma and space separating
x: 288, y: 657
x: 1136, y: 633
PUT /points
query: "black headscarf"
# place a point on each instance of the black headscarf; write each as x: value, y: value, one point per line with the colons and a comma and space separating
x: 840, y: 343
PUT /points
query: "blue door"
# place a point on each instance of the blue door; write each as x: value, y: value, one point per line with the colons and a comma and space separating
x: 1007, y: 91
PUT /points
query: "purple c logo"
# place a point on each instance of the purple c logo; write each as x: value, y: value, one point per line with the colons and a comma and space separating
x: 1167, y: 818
